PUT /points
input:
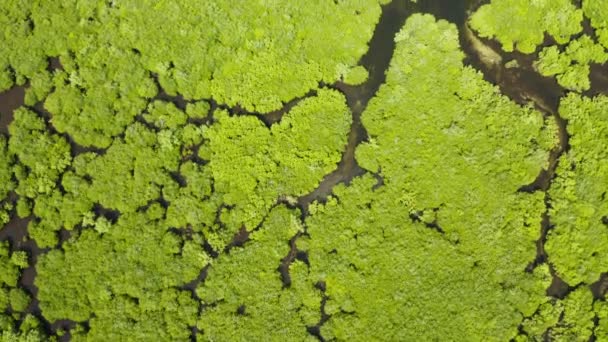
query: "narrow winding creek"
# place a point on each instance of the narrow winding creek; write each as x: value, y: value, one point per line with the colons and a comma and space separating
x: 521, y: 84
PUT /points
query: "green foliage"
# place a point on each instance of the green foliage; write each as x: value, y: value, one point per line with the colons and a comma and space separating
x: 547, y: 316
x: 552, y: 62
x: 251, y: 57
x: 165, y: 115
x: 15, y: 300
x: 162, y: 316
x: 252, y: 165
x: 186, y: 46
x: 19, y: 259
x: 60, y: 209
x: 584, y: 50
x: 18, y: 299
x: 6, y: 161
x: 10, y: 265
x: 576, y: 323
x: 575, y: 78
x: 521, y: 24
x: 5, y: 213
x: 23, y: 207
x: 577, y: 245
x: 601, y: 311
x: 99, y: 94
x: 44, y: 234
x: 41, y: 85
x: 571, y: 66
x: 247, y: 280
x: 134, y: 168
x: 433, y: 242
x: 44, y: 155
x: 189, y: 205
x: 139, y: 263
x: 4, y: 302
x: 355, y: 76
x: 454, y: 146
x: 570, y: 319
x: 30, y: 330
x: 57, y: 210
x: 22, y: 51
x: 198, y: 110
x: 445, y: 143
x: 388, y: 278
x: 597, y: 12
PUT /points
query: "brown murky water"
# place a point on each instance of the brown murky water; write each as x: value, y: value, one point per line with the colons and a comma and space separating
x: 521, y: 84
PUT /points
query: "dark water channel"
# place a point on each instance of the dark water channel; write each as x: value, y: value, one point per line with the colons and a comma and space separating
x: 521, y: 84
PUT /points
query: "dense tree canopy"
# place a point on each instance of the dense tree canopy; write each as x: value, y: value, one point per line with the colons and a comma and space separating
x: 577, y: 245
x: 258, y: 55
x: 253, y: 165
x: 521, y: 24
x: 447, y: 228
x: 251, y: 170
x: 244, y: 284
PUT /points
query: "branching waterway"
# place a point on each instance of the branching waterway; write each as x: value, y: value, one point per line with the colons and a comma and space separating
x: 376, y: 61
x: 522, y: 84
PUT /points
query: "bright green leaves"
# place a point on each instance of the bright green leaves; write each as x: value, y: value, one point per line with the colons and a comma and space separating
x: 453, y: 148
x: 578, y: 245
x: 258, y: 55
x: 18, y: 299
x: 597, y: 12
x: 521, y: 24
x: 189, y: 204
x: 584, y: 50
x: 601, y: 330
x: 309, y: 141
x: 389, y: 278
x: 452, y: 153
x: 56, y: 211
x: 102, y: 87
x: 438, y: 247
x: 10, y: 266
x: 41, y: 84
x: 99, y: 95
x: 30, y: 329
x: 162, y: 316
x: 552, y: 61
x: 252, y: 165
x: 132, y: 171
x: 18, y: 63
x: 544, y: 318
x: 136, y: 260
x: 576, y: 324
x: 354, y: 76
x: 570, y: 319
x: 468, y: 115
x: 172, y: 124
x: 572, y: 65
x: 6, y: 161
x: 43, y: 156
x: 198, y: 110
x: 6, y: 181
x: 15, y: 300
x: 20, y: 259
x: 246, y: 286
x: 165, y: 115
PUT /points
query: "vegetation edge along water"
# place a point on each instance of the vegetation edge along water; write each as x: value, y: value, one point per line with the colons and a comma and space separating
x: 453, y: 188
